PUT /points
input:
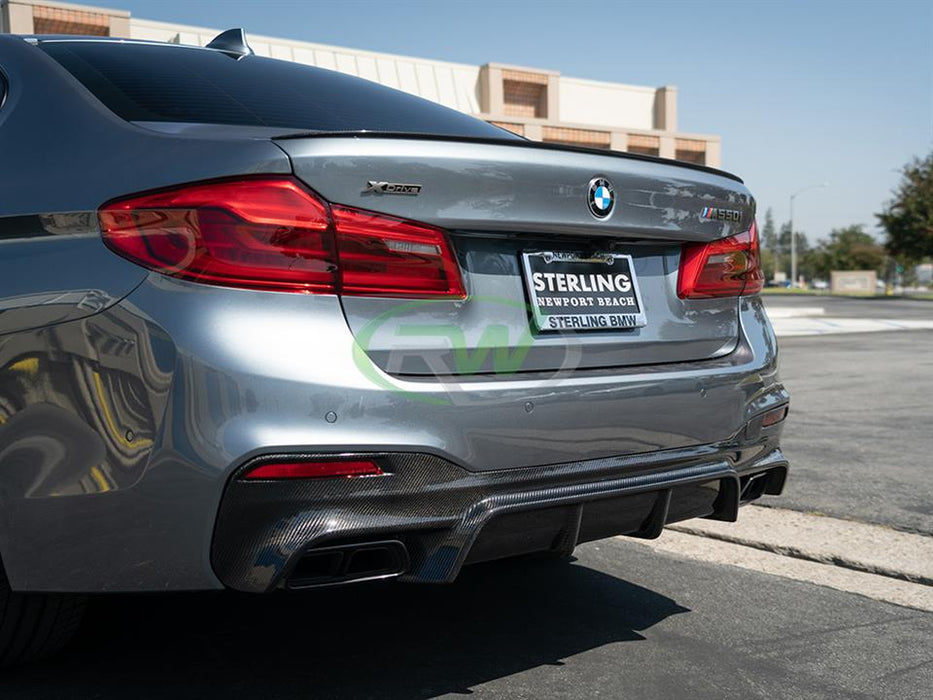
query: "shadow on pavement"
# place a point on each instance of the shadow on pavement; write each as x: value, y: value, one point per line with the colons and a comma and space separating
x: 378, y: 640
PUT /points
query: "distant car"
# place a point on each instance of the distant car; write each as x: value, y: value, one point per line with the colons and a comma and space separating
x: 820, y: 284
x: 265, y: 326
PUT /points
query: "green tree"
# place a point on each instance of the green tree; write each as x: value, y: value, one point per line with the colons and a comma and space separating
x: 849, y: 248
x: 783, y: 240
x: 769, y: 246
x: 769, y: 232
x: 908, y: 218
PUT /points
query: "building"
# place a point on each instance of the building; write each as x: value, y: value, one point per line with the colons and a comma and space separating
x: 536, y: 103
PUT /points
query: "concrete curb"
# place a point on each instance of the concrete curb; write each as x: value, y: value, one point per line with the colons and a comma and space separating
x: 858, y: 546
x: 713, y: 551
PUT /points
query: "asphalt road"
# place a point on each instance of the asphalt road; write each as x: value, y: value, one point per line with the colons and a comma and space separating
x: 860, y: 432
x: 621, y: 622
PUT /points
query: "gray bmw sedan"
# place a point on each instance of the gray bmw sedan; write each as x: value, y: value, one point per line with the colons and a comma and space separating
x: 266, y: 326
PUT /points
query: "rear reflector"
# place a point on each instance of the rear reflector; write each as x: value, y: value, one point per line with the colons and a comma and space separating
x: 774, y: 416
x: 272, y: 233
x: 724, y: 268
x: 314, y: 470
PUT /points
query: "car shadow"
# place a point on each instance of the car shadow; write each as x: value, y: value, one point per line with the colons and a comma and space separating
x: 366, y: 641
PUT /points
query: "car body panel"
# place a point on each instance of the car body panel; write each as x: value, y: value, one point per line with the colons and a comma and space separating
x: 53, y: 263
x: 129, y: 400
x: 247, y: 380
x: 55, y: 268
x: 88, y: 155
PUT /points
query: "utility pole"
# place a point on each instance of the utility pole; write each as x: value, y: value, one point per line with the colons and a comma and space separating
x: 793, y: 237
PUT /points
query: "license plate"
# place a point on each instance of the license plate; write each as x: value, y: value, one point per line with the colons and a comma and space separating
x: 571, y: 292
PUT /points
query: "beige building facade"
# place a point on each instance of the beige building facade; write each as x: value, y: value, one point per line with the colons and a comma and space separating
x: 539, y: 104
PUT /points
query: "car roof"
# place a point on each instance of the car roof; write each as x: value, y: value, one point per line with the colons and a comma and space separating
x: 36, y: 39
x: 82, y: 39
x: 232, y: 41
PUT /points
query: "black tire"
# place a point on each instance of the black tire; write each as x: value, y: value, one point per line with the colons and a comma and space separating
x: 35, y: 625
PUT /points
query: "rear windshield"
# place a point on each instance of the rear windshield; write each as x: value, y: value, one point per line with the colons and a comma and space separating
x: 142, y: 82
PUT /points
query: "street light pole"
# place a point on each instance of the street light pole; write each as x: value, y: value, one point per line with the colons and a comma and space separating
x: 793, y: 238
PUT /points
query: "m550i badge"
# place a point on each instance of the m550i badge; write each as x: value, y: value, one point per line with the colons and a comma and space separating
x: 391, y: 188
x: 719, y: 214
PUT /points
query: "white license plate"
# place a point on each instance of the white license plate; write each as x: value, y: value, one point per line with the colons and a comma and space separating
x: 570, y: 292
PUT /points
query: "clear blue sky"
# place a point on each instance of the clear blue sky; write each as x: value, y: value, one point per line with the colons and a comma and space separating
x: 801, y: 92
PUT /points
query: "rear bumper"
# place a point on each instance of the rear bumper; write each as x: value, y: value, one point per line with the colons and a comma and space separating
x: 182, y: 385
x: 442, y: 516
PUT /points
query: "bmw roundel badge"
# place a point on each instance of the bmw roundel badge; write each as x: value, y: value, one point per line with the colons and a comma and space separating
x: 601, y: 197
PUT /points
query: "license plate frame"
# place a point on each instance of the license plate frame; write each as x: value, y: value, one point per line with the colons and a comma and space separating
x: 588, y: 313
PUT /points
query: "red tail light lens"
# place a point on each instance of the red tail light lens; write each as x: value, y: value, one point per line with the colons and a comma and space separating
x: 257, y: 234
x: 271, y: 233
x: 724, y: 268
x: 314, y: 470
x: 383, y: 256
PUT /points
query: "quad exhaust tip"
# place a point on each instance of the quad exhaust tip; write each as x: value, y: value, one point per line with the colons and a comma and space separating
x: 349, y: 563
x: 770, y: 482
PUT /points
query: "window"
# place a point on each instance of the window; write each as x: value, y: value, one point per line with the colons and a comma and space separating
x: 151, y: 82
x: 524, y: 94
x: 577, y: 137
x: 691, y: 151
x: 60, y: 20
x: 644, y: 145
x: 524, y: 99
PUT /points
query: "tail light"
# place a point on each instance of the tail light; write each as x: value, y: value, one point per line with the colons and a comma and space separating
x: 383, y: 256
x: 271, y: 233
x: 724, y: 268
x: 314, y: 470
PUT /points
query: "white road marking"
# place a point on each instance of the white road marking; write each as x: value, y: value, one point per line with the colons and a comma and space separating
x: 785, y: 327
x: 795, y: 311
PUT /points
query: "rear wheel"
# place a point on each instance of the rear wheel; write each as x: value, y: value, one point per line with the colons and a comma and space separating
x: 35, y: 625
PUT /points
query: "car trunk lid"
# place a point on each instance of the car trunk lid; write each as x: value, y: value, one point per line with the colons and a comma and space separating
x: 513, y: 209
